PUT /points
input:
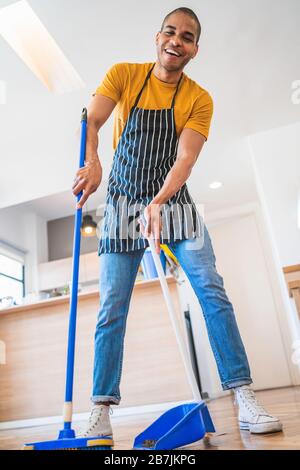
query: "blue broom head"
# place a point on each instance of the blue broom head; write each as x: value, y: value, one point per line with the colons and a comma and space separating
x: 80, y: 443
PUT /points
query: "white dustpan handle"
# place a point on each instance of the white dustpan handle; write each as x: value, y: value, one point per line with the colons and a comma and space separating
x: 174, y: 321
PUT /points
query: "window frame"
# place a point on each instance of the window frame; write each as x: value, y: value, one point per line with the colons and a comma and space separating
x: 6, y: 252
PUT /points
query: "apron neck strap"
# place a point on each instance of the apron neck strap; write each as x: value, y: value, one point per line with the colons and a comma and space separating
x: 145, y: 83
x: 142, y: 89
x: 173, y: 101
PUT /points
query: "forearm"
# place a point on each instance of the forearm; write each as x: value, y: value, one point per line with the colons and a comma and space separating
x: 175, y: 179
x: 99, y: 111
x: 92, y: 142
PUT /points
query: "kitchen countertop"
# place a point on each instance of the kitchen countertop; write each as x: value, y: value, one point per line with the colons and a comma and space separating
x: 61, y: 299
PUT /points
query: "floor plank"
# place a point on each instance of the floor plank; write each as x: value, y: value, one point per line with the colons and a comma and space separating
x: 284, y: 403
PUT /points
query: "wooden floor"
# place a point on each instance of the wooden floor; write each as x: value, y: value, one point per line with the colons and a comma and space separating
x: 284, y: 403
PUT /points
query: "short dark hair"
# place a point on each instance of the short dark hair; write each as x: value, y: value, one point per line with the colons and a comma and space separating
x: 190, y: 13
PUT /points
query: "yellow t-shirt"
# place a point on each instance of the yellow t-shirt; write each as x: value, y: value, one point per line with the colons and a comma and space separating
x: 122, y: 83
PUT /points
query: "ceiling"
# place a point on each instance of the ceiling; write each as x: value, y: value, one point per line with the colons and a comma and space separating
x: 248, y: 58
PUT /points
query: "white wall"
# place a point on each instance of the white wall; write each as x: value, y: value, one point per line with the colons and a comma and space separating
x: 11, y: 228
x: 35, y: 232
x: 276, y: 160
x: 276, y: 165
x: 27, y: 232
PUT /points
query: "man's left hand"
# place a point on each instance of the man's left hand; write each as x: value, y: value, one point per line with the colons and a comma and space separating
x: 153, y: 224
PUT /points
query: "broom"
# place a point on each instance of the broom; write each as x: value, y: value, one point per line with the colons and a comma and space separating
x: 66, y: 439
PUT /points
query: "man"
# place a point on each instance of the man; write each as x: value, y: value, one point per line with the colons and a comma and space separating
x: 162, y: 121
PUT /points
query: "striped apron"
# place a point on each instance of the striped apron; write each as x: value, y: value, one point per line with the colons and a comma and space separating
x: 145, y: 154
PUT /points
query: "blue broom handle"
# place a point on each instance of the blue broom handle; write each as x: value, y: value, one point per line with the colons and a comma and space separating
x: 75, y: 272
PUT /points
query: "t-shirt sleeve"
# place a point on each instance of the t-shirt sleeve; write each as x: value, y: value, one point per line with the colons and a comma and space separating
x: 200, y: 117
x: 113, y: 83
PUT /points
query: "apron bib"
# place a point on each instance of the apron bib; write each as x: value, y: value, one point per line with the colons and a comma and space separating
x: 145, y: 154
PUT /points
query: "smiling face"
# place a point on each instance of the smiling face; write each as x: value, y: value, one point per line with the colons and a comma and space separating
x: 176, y: 43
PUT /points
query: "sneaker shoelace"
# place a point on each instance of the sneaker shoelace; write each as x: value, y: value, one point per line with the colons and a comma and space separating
x: 95, y: 415
x: 248, y: 398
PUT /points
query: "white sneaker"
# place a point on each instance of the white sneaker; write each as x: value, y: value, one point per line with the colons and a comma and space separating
x: 99, y: 423
x: 252, y: 416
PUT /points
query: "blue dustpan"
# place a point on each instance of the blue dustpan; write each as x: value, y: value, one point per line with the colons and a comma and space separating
x: 177, y: 427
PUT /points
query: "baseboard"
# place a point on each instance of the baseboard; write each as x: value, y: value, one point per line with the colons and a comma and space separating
x: 118, y: 415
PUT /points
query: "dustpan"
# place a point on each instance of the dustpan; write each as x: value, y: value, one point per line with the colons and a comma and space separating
x: 186, y: 423
x: 177, y: 427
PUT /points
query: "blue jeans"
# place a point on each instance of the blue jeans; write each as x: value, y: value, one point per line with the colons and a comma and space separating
x: 117, y: 276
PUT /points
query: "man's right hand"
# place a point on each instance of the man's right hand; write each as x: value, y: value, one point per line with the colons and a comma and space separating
x: 87, y: 179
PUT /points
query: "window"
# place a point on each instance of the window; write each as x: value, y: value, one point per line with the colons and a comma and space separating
x: 11, y: 278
